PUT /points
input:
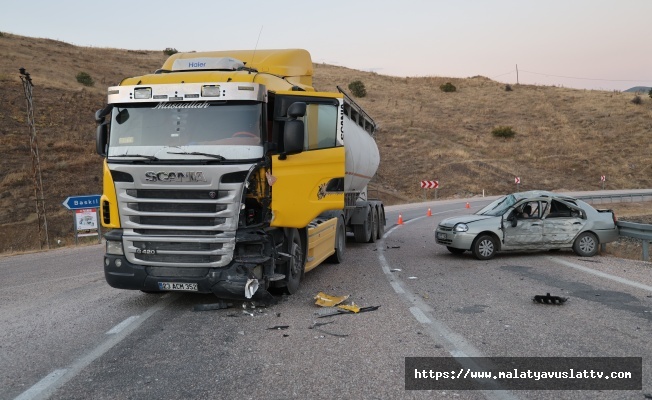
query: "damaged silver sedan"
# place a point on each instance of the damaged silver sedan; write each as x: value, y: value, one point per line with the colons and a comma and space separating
x: 535, y: 220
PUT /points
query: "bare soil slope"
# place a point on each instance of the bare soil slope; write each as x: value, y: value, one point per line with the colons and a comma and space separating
x: 565, y: 138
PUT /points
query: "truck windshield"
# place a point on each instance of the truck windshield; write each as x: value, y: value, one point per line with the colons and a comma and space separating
x: 498, y: 207
x: 186, y: 130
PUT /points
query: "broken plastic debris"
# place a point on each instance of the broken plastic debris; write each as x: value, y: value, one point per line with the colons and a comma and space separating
x: 395, y: 270
x: 548, y: 299
x: 349, y: 307
x: 412, y: 277
x: 271, y: 179
x: 278, y: 327
x: 337, y: 311
x: 250, y: 287
x: 326, y: 300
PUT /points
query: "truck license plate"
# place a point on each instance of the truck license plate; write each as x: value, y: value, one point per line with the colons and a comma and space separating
x: 191, y: 287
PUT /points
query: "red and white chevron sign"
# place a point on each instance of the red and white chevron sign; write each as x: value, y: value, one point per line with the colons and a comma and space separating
x: 429, y: 184
x: 517, y: 180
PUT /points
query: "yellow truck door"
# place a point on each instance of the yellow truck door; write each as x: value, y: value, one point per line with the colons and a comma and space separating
x: 311, y: 182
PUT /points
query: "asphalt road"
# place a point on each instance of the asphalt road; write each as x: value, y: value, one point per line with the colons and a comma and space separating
x: 65, y: 334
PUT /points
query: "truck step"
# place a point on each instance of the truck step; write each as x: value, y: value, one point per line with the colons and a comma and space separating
x: 276, y: 277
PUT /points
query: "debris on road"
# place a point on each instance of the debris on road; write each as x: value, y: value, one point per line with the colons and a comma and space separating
x: 213, y: 306
x: 278, y: 328
x: 326, y: 300
x: 548, y: 299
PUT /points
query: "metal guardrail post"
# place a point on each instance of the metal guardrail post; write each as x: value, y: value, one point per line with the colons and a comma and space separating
x: 646, y: 251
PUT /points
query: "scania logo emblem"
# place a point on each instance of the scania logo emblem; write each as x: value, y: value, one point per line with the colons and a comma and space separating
x: 212, y: 195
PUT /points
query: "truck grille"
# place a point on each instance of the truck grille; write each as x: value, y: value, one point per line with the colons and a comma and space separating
x: 180, y: 228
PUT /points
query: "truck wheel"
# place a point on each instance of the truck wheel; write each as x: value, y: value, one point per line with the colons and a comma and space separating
x: 381, y: 223
x: 340, y: 243
x: 363, y: 231
x: 296, y: 263
x: 374, y: 225
x: 586, y: 245
x: 484, y: 247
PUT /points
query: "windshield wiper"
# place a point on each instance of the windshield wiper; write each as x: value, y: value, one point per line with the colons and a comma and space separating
x: 198, y: 153
x: 153, y: 158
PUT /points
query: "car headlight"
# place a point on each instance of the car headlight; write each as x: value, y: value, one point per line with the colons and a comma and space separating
x: 114, y: 247
x: 461, y: 228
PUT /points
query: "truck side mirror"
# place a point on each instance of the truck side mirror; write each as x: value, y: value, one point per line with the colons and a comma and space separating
x: 297, y: 110
x: 293, y: 133
x: 293, y: 137
x: 101, y: 138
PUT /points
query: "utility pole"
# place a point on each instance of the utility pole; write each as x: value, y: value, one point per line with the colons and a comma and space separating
x: 517, y: 74
x: 36, y: 162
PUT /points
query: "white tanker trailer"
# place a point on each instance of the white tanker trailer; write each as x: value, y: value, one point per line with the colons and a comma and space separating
x: 226, y: 172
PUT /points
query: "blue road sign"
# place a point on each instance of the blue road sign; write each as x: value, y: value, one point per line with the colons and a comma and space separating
x: 80, y: 202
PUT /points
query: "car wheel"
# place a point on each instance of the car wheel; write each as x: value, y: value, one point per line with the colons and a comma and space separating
x: 455, y: 250
x: 484, y: 247
x: 586, y: 245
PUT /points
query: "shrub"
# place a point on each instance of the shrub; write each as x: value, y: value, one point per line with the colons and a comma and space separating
x: 85, y: 79
x: 650, y: 93
x: 448, y: 87
x: 2, y: 34
x: 637, y: 99
x: 503, y: 131
x: 358, y: 89
x: 508, y: 88
x: 169, y: 51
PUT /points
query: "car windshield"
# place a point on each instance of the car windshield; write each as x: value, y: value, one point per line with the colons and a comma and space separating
x: 230, y: 130
x: 498, y: 207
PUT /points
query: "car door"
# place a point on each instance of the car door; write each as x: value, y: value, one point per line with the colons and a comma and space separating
x: 521, y: 231
x: 563, y: 222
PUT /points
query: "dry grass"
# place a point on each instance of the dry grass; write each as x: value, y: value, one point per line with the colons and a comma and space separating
x: 565, y: 138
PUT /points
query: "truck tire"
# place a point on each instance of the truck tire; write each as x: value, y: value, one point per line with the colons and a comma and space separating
x: 296, y: 264
x: 362, y: 232
x: 340, y: 243
x: 381, y: 223
x: 374, y: 225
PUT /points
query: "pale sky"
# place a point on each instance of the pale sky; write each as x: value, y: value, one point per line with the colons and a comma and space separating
x: 591, y: 44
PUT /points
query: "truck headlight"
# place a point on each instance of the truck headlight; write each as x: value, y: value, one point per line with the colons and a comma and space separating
x: 115, y: 248
x: 461, y: 228
x: 143, y: 93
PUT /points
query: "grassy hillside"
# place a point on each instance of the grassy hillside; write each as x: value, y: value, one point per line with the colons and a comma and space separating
x: 565, y: 138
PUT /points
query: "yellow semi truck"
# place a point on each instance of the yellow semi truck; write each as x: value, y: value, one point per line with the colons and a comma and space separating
x: 227, y: 172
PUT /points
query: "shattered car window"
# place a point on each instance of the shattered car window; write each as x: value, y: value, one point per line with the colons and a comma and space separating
x: 498, y: 207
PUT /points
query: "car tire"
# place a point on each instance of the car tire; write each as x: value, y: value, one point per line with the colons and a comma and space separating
x: 455, y: 250
x: 484, y: 247
x: 586, y: 245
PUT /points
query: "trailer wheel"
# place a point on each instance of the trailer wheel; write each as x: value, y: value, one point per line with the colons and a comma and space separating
x: 381, y: 223
x: 362, y: 232
x: 374, y: 225
x: 340, y: 243
x: 296, y: 263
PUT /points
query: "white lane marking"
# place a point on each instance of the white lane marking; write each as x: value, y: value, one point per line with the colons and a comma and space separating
x: 456, y: 345
x: 44, y: 383
x: 46, y: 387
x: 118, y: 328
x: 419, y: 315
x: 602, y: 274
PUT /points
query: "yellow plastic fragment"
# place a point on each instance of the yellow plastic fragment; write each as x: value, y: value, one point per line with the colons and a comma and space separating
x: 349, y: 307
x: 325, y: 300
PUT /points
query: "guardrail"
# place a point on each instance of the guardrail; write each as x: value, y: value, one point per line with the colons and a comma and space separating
x: 638, y: 231
x: 616, y: 197
x: 627, y: 229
